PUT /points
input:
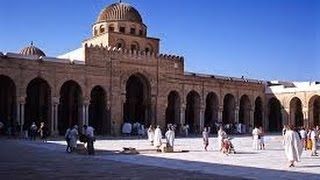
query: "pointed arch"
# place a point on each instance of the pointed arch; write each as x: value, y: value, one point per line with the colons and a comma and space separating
x: 212, y: 109
x: 296, y: 115
x: 192, y: 114
x: 138, y: 100
x: 173, y: 108
x: 38, y: 102
x: 70, y: 106
x: 98, y: 118
x: 258, y: 112
x: 275, y: 115
x: 7, y: 99
x: 228, y: 115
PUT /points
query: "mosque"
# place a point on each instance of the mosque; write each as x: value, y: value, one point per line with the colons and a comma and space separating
x: 120, y: 75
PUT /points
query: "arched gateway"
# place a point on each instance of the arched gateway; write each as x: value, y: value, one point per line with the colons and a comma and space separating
x: 138, y: 100
x: 173, y: 108
x: 98, y: 115
x: 7, y: 99
x: 70, y: 106
x: 275, y: 115
x: 38, y: 103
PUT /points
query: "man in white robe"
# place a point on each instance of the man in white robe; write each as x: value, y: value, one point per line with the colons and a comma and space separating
x: 151, y: 135
x: 221, y: 135
x: 256, y: 138
x: 313, y: 137
x: 157, y: 137
x: 292, y: 146
x: 170, y: 137
x: 73, y: 137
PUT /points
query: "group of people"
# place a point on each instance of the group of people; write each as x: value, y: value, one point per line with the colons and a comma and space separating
x: 155, y: 136
x: 86, y: 135
x: 258, y: 139
x: 32, y: 131
x: 133, y: 129
x: 297, y: 139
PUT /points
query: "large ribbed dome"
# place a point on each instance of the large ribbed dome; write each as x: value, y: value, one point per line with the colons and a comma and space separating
x: 119, y: 12
x: 32, y: 50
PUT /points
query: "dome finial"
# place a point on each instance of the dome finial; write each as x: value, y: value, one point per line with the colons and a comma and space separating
x: 120, y: 1
x: 31, y: 43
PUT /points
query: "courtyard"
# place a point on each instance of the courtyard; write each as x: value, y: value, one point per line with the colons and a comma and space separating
x: 50, y: 160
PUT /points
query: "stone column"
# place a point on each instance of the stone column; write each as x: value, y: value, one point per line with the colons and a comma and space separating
x: 182, y: 114
x: 201, y: 125
x: 236, y: 114
x: 220, y: 112
x: 54, y: 115
x: 305, y: 112
x: 153, y: 110
x: 83, y: 114
x: 86, y: 112
x: 285, y: 119
x: 251, y: 121
x: 22, y: 112
x: 18, y: 116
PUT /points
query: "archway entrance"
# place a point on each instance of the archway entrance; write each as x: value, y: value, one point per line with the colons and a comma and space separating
x: 38, y: 101
x: 193, y: 111
x: 70, y: 106
x: 228, y: 109
x: 275, y: 116
x: 211, y: 111
x: 98, y: 118
x: 258, y: 118
x: 137, y: 105
x: 314, y: 111
x: 173, y: 108
x: 7, y: 100
x: 296, y: 115
x: 244, y: 112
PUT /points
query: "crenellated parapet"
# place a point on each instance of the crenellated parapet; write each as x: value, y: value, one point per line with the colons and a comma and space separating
x: 171, y: 57
x: 130, y: 54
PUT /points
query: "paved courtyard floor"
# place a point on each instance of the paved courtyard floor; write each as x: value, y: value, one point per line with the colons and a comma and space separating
x: 108, y: 163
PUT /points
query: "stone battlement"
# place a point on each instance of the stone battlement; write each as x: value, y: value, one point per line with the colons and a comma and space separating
x: 131, y: 53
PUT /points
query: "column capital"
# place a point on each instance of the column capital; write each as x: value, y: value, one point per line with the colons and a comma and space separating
x: 55, y: 100
x: 22, y: 100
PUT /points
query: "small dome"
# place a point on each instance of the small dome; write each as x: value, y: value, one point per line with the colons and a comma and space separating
x: 32, y: 50
x: 119, y: 12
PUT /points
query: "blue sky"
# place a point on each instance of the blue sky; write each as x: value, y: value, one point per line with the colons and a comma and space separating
x: 260, y: 39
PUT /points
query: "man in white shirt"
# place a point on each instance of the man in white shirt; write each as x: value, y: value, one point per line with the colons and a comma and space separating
x: 89, y: 132
x: 303, y: 135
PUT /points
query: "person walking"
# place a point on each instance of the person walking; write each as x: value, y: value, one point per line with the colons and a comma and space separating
x: 43, y: 131
x: 33, y: 131
x: 313, y: 137
x: 73, y: 136
x: 292, y: 146
x: 151, y: 135
x: 89, y: 132
x: 157, y: 137
x: 221, y: 136
x: 205, y: 137
x: 170, y: 136
x: 67, y: 138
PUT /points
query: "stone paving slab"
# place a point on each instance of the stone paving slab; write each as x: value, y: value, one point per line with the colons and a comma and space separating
x: 247, y: 163
x: 34, y: 160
